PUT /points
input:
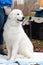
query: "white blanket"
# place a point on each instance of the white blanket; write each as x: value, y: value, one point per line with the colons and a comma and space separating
x: 21, y: 62
x: 36, y: 58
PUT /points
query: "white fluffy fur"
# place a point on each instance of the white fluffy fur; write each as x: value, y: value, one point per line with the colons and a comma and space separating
x: 15, y: 38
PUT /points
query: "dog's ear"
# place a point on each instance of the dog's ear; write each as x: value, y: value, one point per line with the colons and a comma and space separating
x: 10, y: 15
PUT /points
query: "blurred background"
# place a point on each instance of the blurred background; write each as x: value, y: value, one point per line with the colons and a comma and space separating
x: 26, y: 5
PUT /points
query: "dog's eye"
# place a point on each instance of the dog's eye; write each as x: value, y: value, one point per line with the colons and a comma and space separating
x: 18, y: 14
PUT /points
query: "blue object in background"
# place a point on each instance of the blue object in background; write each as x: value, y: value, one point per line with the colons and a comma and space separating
x: 3, y: 17
x: 5, y: 3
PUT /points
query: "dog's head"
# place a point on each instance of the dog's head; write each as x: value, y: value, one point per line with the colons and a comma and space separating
x: 16, y: 15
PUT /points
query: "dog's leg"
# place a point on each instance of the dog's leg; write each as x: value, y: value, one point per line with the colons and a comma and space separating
x: 14, y: 51
x: 9, y: 53
x: 25, y: 49
x: 9, y: 49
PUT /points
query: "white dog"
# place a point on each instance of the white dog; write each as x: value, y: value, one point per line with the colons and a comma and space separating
x: 15, y: 38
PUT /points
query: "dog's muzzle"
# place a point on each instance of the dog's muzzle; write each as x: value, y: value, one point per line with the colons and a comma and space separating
x: 21, y: 19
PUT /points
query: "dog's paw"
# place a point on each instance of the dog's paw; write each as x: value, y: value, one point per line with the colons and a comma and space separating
x: 8, y: 58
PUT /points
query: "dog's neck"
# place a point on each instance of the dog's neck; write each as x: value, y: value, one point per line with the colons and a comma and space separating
x: 14, y: 23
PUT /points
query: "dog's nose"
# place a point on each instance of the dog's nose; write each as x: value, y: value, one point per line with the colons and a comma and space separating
x: 23, y: 18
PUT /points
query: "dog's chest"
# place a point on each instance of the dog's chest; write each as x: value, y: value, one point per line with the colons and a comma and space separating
x: 15, y: 30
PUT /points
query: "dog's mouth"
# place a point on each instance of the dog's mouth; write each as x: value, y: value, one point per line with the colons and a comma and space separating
x: 21, y: 19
